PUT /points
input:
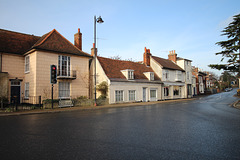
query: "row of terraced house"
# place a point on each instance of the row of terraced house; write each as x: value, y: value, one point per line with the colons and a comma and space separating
x: 25, y: 71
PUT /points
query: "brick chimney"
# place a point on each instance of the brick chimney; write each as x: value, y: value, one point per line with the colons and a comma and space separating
x: 92, y: 50
x: 146, y: 57
x: 78, y: 39
x: 172, y: 56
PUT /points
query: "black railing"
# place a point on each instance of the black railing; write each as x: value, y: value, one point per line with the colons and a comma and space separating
x: 23, y: 103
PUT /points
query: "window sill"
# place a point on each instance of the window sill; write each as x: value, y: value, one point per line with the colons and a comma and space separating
x: 27, y: 72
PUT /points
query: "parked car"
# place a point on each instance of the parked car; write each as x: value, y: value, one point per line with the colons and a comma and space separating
x: 227, y: 89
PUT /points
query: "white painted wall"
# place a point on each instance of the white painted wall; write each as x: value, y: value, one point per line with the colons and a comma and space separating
x: 187, y: 66
x: 171, y: 81
x: 138, y: 87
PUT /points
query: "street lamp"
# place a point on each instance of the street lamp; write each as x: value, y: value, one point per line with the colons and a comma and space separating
x: 96, y: 20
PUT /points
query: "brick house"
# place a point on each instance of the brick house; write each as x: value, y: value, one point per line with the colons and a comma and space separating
x: 128, y: 81
x: 200, y: 80
x: 25, y: 65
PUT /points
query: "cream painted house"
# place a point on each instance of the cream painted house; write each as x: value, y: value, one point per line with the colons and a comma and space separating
x: 172, y: 75
x: 26, y: 60
x: 128, y: 81
x: 187, y: 66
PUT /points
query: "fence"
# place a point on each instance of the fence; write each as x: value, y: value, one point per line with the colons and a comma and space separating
x: 29, y: 103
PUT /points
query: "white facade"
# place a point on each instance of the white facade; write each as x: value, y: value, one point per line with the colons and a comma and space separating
x: 186, y: 65
x: 129, y: 90
x: 142, y: 92
x: 173, y: 80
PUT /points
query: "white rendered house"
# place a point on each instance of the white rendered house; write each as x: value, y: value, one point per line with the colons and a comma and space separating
x: 128, y: 81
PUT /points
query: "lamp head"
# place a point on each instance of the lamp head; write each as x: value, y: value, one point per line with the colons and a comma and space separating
x: 99, y: 20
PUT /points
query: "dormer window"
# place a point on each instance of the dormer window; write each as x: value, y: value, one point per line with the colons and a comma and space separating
x: 130, y: 75
x: 151, y: 76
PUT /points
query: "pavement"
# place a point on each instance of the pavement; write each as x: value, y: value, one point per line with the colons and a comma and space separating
x: 237, y: 104
x: 84, y: 108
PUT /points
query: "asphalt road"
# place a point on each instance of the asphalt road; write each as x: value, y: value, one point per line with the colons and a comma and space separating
x: 204, y: 128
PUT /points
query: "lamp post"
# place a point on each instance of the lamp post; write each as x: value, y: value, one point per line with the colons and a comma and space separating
x: 96, y: 20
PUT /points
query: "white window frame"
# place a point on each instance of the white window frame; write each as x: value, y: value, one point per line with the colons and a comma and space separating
x: 179, y: 75
x: 153, y: 98
x: 62, y: 59
x: 119, y: 96
x: 166, y: 75
x: 26, y: 90
x: 132, y: 95
x: 27, y: 64
x: 151, y: 76
x: 130, y: 75
x: 64, y: 90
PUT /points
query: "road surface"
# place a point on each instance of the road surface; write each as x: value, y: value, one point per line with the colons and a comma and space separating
x: 204, y: 128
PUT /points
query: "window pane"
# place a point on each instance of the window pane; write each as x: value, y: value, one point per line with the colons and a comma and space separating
x: 64, y: 89
x: 152, y: 93
x: 118, y: 96
x: 27, y: 89
x: 132, y: 95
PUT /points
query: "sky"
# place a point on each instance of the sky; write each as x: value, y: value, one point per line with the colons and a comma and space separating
x: 191, y: 27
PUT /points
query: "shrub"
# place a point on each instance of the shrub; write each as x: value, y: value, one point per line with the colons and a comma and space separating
x: 103, y: 88
x: 47, y: 101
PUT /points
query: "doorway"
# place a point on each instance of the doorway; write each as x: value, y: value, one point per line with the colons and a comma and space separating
x: 15, y: 91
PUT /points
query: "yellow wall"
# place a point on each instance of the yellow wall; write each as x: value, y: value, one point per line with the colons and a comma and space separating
x: 39, y: 73
x: 14, y: 65
x: 78, y: 86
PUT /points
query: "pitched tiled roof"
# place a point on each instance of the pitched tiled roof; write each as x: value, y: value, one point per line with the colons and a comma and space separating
x: 17, y: 43
x: 167, y: 64
x: 54, y: 41
x: 112, y: 68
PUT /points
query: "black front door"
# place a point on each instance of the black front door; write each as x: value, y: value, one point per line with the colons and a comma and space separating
x: 15, y: 94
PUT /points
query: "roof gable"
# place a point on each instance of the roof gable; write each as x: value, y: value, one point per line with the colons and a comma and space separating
x: 113, y: 68
x: 54, y: 41
x: 167, y: 64
x: 17, y: 43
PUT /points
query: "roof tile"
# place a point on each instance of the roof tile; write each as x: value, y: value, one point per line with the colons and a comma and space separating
x: 54, y: 41
x: 167, y: 64
x: 17, y: 43
x: 112, y: 68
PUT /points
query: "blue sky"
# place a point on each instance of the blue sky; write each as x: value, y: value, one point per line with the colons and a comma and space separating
x: 191, y: 27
